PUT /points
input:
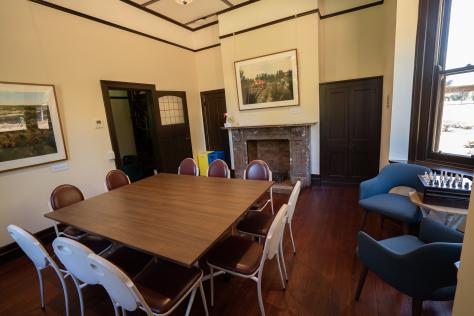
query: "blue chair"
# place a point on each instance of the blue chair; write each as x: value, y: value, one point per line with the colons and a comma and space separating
x: 421, y: 267
x: 374, y: 194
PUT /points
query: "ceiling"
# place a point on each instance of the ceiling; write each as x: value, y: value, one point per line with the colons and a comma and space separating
x: 194, y: 14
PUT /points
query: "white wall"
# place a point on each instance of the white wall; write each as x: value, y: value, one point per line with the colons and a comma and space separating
x: 357, y: 45
x: 300, y: 33
x: 404, y: 61
x: 74, y: 54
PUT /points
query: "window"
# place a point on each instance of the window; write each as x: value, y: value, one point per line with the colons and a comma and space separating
x: 442, y: 120
x: 171, y: 110
x: 454, y: 134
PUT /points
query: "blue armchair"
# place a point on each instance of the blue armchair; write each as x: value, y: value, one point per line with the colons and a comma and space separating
x: 374, y: 194
x: 421, y: 267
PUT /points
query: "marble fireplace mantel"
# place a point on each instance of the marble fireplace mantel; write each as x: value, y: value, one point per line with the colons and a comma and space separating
x: 298, y: 136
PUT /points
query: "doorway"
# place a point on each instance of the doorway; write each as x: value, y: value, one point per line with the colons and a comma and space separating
x: 129, y: 110
x: 172, y: 123
x: 350, y: 129
x: 213, y: 109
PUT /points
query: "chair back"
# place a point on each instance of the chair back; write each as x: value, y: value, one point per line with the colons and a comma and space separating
x: 188, y: 167
x: 118, y: 285
x: 293, y: 199
x: 116, y: 179
x: 275, y: 233
x: 30, y: 245
x: 65, y: 195
x: 258, y: 170
x: 73, y: 255
x: 401, y: 174
x: 218, y: 169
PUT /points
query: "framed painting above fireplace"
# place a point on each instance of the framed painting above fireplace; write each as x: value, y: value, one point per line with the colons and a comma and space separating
x: 268, y: 81
x: 30, y: 128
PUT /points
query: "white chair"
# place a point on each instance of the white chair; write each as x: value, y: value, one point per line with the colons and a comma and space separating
x: 291, y: 210
x: 259, y: 170
x: 142, y: 292
x: 74, y: 257
x: 41, y: 259
x: 227, y: 256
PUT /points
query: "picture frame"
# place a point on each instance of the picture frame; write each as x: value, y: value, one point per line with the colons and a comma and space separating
x: 268, y: 81
x: 30, y: 126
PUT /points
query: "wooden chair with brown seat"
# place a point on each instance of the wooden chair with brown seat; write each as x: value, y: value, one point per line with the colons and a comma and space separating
x: 116, y: 179
x: 245, y: 258
x: 188, y: 167
x: 65, y: 195
x: 218, y: 169
x: 259, y: 170
x: 158, y: 290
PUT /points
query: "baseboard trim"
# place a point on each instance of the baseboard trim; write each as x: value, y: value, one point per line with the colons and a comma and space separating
x: 13, y: 251
x: 315, y: 179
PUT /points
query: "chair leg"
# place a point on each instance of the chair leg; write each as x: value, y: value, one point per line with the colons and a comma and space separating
x: 360, y: 285
x: 124, y: 312
x: 283, y: 261
x: 63, y: 284
x: 40, y: 278
x: 203, y: 297
x: 292, y: 239
x: 416, y: 307
x: 280, y: 270
x: 364, y: 219
x: 211, y: 272
x: 271, y: 201
x: 79, y: 292
x: 116, y: 309
x: 259, y: 294
x: 191, y: 300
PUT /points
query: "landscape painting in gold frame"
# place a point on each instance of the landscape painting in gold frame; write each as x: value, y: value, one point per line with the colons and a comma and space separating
x: 268, y: 81
x: 30, y: 127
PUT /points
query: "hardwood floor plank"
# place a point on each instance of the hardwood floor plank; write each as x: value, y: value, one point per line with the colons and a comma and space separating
x: 323, y: 273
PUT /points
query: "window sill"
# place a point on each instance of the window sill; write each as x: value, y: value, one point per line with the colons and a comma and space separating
x: 439, y: 167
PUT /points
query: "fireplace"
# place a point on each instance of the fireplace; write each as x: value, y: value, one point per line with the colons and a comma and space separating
x: 275, y: 152
x: 286, y: 149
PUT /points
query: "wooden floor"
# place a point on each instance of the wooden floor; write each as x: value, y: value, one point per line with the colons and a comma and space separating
x: 322, y: 274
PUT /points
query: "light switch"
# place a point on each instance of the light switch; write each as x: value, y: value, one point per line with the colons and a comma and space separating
x: 99, y: 123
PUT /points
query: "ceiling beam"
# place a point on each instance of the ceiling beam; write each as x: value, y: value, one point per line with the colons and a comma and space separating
x: 227, y: 2
x: 149, y: 3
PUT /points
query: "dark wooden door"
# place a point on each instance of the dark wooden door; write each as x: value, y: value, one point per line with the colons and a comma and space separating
x: 172, y: 123
x: 350, y: 129
x: 213, y: 109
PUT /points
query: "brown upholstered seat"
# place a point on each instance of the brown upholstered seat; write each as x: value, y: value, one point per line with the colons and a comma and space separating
x: 116, y: 179
x: 237, y: 254
x: 131, y: 261
x: 257, y: 170
x: 162, y: 284
x: 188, y: 167
x: 65, y: 195
x: 255, y: 223
x: 218, y: 169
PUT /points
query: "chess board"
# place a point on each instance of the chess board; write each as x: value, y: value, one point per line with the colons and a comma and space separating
x: 446, y: 190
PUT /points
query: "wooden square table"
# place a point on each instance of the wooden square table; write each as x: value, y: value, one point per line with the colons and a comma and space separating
x: 175, y: 217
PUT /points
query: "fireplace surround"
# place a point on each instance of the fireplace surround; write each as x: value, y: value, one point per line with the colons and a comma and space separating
x: 246, y: 141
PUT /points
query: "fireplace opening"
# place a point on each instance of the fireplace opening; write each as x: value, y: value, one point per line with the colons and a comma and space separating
x: 275, y: 152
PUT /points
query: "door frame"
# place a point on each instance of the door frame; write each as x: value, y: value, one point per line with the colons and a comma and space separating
x: 204, y: 118
x: 380, y: 79
x: 106, y: 85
